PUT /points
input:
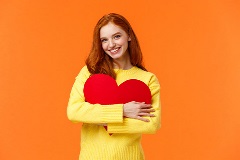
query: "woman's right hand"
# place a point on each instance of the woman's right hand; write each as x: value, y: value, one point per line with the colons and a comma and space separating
x: 138, y: 109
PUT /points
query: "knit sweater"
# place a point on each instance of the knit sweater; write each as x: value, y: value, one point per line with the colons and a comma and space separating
x: 125, y: 141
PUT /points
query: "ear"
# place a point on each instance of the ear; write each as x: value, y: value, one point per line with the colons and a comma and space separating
x: 129, y: 38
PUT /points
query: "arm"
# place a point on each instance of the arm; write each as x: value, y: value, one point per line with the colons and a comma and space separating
x: 80, y: 111
x: 130, y: 125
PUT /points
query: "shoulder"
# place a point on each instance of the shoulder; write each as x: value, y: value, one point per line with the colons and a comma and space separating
x: 153, y: 82
x: 146, y: 74
x: 148, y: 77
x: 84, y: 69
x: 84, y: 73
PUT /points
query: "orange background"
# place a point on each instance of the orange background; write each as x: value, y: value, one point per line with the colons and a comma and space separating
x: 192, y: 46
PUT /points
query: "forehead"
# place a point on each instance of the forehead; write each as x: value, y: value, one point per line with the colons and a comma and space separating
x: 110, y: 29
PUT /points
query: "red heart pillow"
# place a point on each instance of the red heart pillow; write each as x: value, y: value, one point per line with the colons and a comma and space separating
x: 103, y: 89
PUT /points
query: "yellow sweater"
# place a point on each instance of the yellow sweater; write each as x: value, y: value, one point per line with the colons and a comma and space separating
x: 125, y: 142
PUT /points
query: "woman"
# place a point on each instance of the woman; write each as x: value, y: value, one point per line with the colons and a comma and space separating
x: 115, y: 52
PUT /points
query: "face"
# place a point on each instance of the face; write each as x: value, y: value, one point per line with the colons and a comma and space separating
x: 114, y: 41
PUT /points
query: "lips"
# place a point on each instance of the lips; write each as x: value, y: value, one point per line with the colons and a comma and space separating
x: 115, y: 50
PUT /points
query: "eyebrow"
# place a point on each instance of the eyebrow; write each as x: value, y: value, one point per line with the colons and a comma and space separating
x: 112, y: 35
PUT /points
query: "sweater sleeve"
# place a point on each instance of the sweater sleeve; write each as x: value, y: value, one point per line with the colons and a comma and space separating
x: 80, y: 111
x: 137, y: 126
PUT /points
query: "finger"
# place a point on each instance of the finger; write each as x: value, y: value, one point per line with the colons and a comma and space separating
x: 146, y: 106
x: 142, y: 119
x: 152, y: 115
x: 143, y: 114
x: 138, y: 102
x: 146, y: 114
x: 147, y: 110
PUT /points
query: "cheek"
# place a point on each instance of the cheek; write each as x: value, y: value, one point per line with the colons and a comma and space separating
x: 123, y: 41
x: 104, y: 46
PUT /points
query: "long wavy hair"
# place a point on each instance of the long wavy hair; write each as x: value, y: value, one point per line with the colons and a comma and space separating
x: 98, y: 61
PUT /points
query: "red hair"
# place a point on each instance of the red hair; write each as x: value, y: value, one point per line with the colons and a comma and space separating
x: 98, y: 61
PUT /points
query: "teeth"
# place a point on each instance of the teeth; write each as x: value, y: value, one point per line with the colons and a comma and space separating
x: 115, y: 50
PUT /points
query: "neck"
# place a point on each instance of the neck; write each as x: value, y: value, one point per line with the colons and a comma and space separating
x: 123, y: 63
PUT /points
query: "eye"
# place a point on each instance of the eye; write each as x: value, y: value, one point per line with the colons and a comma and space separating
x: 103, y: 40
x: 117, y: 36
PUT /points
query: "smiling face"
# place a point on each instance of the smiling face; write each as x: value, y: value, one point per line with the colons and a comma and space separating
x: 115, y: 41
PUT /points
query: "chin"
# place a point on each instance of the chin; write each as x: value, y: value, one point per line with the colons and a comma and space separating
x: 115, y: 56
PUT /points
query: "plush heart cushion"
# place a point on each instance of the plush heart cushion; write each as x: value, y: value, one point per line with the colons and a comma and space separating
x: 103, y: 89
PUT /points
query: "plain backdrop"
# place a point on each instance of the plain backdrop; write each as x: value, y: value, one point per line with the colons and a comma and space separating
x: 192, y: 46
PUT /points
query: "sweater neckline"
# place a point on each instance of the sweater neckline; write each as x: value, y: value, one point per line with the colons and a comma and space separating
x: 126, y: 71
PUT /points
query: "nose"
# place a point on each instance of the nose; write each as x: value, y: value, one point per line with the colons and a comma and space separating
x: 111, y: 43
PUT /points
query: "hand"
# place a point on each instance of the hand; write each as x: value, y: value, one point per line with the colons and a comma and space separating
x: 137, y: 109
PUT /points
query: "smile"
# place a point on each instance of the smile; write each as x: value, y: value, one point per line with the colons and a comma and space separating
x: 114, y: 50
